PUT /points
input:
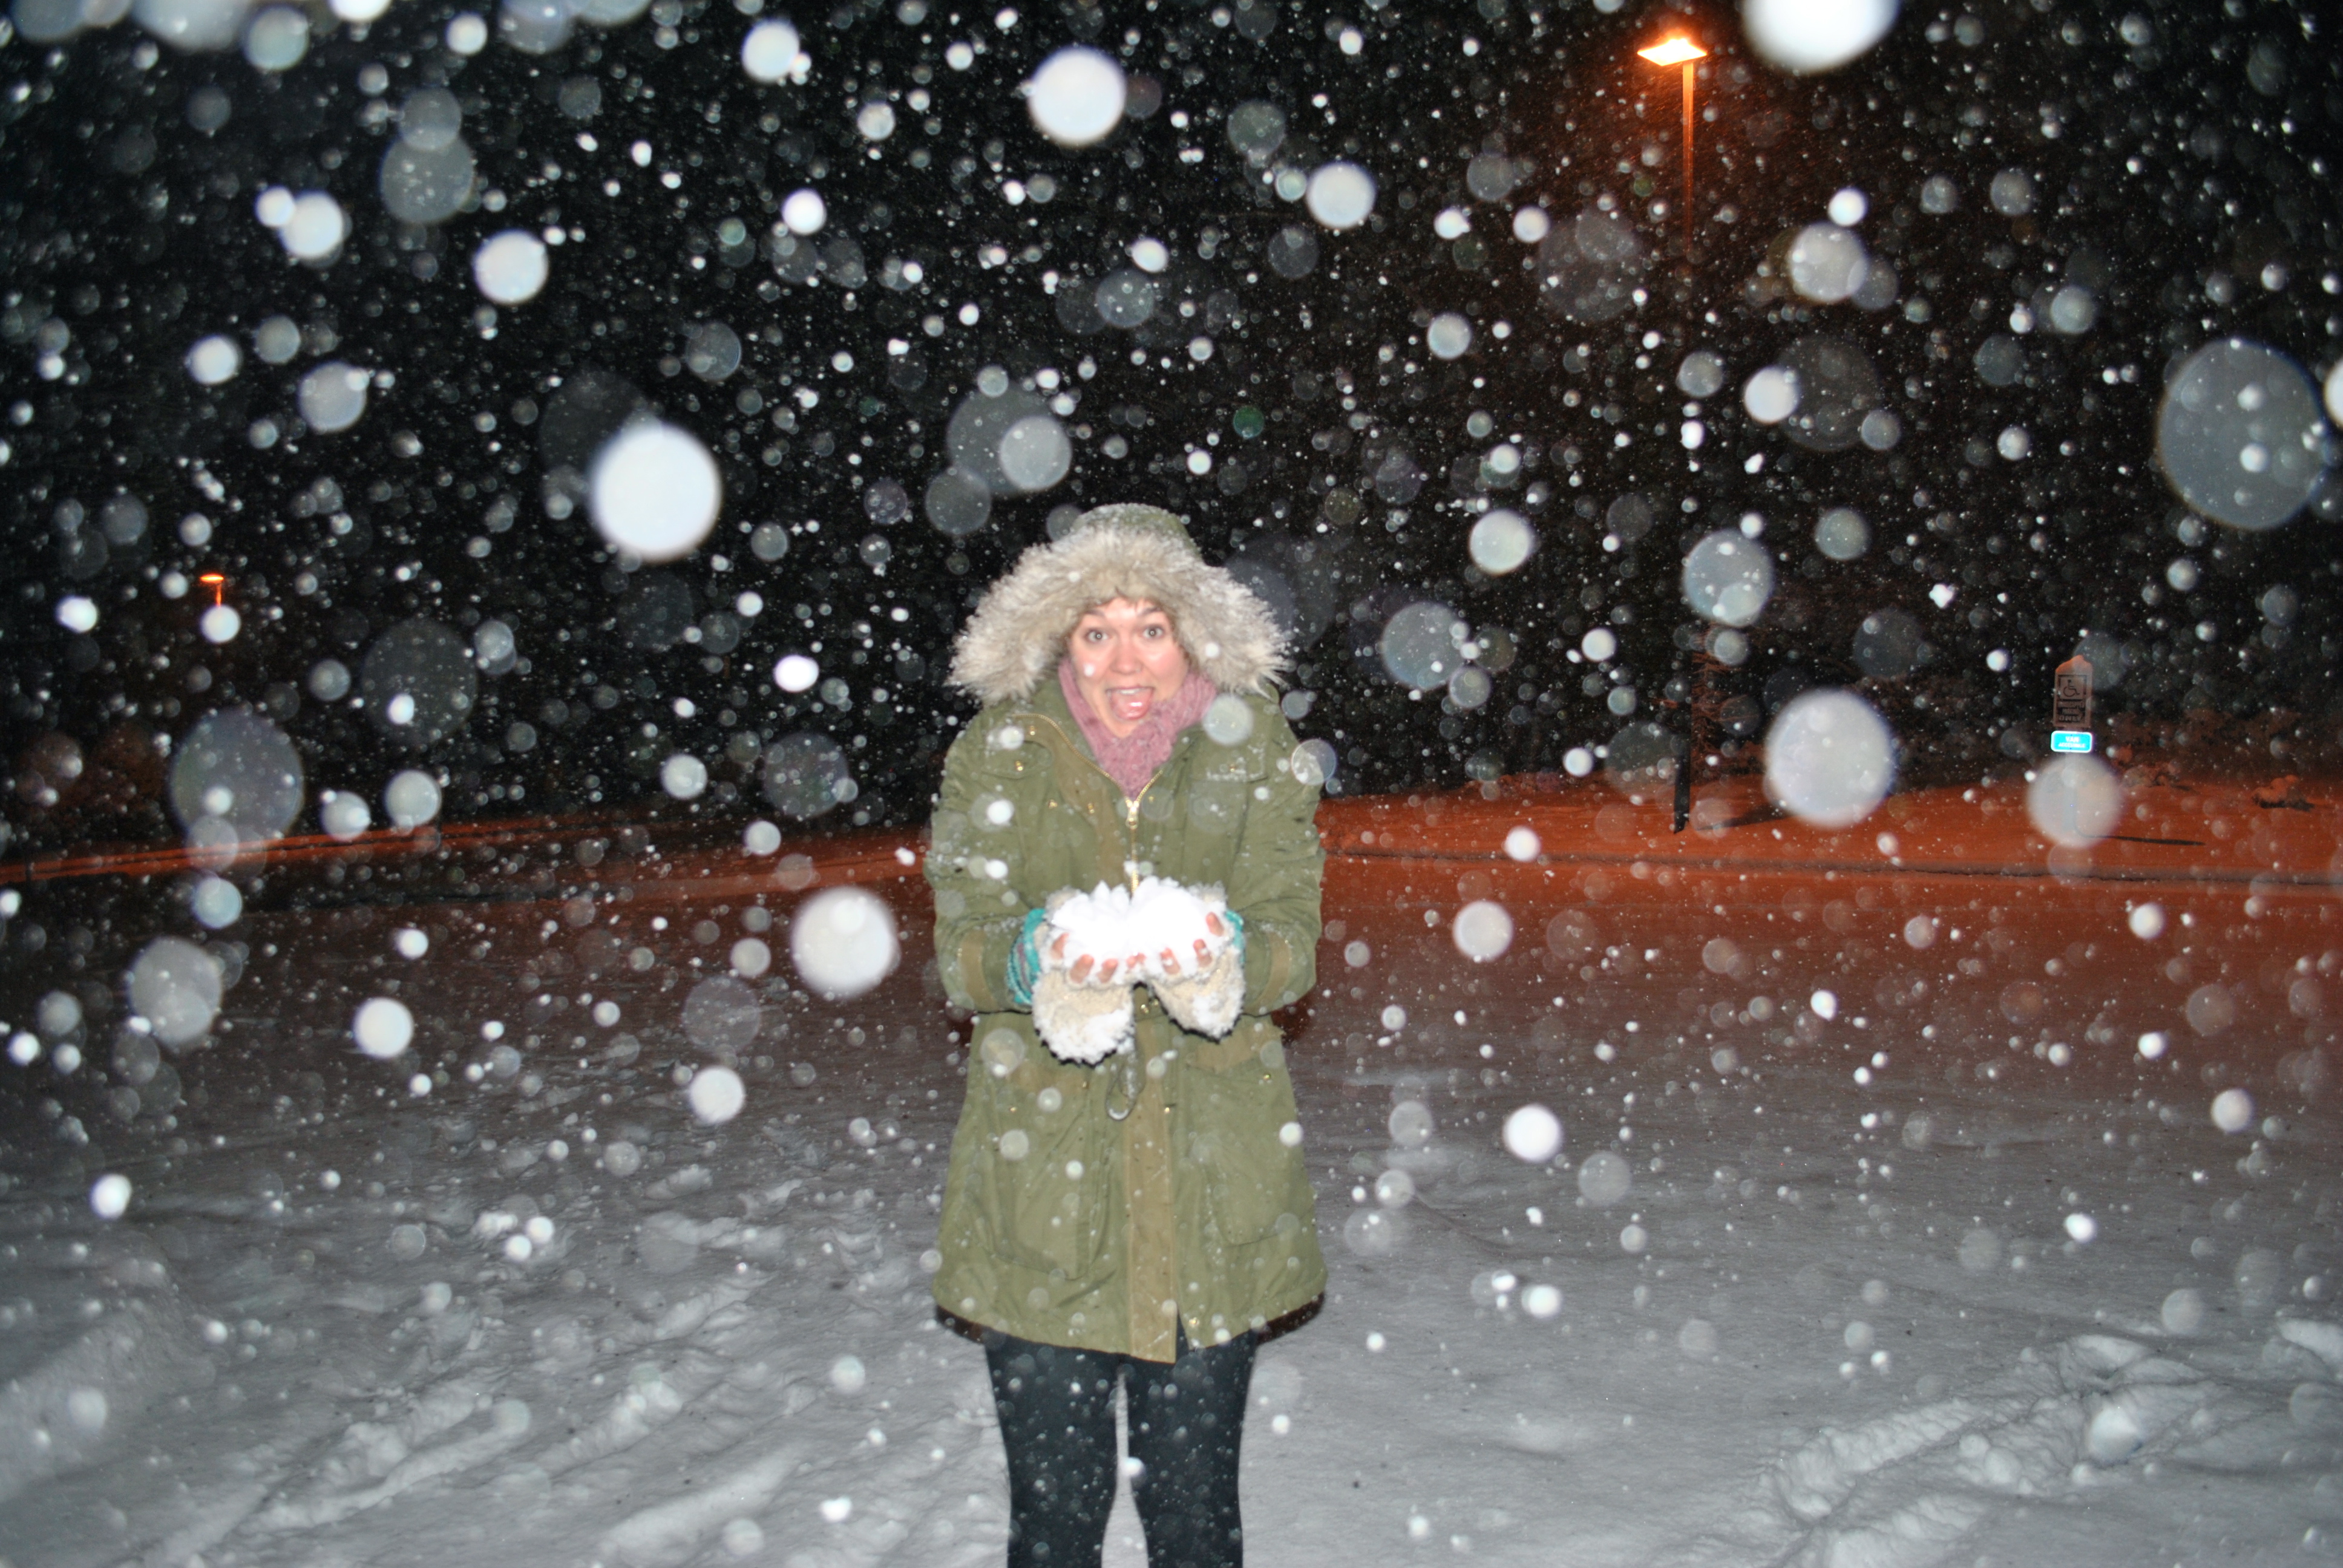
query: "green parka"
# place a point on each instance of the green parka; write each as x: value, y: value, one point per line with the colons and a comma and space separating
x: 1107, y: 1208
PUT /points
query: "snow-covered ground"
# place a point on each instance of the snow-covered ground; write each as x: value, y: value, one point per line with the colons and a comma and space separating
x: 2015, y: 1300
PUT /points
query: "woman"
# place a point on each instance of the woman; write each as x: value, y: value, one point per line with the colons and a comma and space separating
x: 1148, y: 1215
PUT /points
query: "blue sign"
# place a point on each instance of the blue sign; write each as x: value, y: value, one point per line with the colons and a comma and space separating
x: 2070, y: 740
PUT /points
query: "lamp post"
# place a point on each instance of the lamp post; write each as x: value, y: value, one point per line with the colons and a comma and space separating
x: 1679, y: 50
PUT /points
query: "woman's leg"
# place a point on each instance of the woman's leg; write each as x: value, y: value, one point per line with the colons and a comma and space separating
x: 1187, y: 1422
x: 1057, y: 1422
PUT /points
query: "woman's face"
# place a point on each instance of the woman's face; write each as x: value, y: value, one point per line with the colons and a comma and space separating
x: 1126, y: 660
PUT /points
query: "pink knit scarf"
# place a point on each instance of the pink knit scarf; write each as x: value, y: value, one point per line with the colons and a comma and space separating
x: 1133, y: 760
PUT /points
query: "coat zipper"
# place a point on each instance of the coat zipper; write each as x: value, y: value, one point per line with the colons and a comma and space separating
x: 1128, y: 1076
x: 1129, y: 803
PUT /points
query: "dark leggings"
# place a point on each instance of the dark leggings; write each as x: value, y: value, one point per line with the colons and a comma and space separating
x: 1057, y: 1422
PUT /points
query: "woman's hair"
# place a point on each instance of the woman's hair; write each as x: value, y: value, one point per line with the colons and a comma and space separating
x: 1020, y: 628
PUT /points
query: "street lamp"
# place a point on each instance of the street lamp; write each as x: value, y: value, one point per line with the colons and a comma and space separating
x: 1680, y: 50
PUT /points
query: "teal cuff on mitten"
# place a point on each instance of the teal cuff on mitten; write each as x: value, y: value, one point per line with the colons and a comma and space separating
x: 1025, y: 959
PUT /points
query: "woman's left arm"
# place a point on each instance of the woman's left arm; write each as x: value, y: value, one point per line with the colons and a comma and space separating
x: 1275, y: 884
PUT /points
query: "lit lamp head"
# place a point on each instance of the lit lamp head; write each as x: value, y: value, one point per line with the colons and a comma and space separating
x: 1677, y: 51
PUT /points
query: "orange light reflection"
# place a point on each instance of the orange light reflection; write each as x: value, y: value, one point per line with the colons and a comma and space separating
x: 1673, y: 51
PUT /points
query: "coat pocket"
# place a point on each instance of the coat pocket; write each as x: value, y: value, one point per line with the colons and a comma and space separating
x: 1045, y: 1178
x: 1251, y: 1177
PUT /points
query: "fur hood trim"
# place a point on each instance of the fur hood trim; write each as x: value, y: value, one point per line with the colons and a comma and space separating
x: 1018, y: 634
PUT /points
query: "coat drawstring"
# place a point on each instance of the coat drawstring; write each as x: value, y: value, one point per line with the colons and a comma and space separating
x: 1123, y: 1088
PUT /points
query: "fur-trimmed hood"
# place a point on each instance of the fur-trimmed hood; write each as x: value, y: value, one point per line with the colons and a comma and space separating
x: 1018, y: 634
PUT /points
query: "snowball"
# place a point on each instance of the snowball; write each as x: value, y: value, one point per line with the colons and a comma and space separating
x: 1827, y: 263
x: 409, y: 943
x: 218, y: 903
x: 716, y: 1094
x: 213, y: 359
x: 1228, y: 720
x: 219, y: 623
x: 843, y: 942
x: 109, y: 1195
x: 1112, y: 923
x: 2239, y: 434
x: 1825, y: 1005
x: 1603, y: 1178
x: 655, y: 491
x: 383, y: 1027
x: 762, y: 838
x: 1810, y: 35
x: 1482, y: 931
x: 1410, y: 1123
x: 1521, y: 844
x: 277, y: 38
x: 467, y: 34
x: 333, y: 395
x: 796, y: 672
x: 803, y: 212
x: 76, y: 612
x: 1830, y: 758
x: 411, y: 799
x: 2233, y: 1111
x: 276, y: 339
x: 1728, y: 578
x: 2146, y: 921
x: 194, y: 26
x: 1077, y: 97
x: 509, y: 268
x: 1771, y: 395
x: 2153, y: 1043
x: 1542, y: 1302
x: 683, y: 775
x: 1980, y: 1250
x: 1501, y: 541
x: 1843, y: 534
x: 1534, y: 1133
x: 342, y: 814
x: 176, y: 987
x: 849, y: 1375
x: 1449, y: 336
x: 1340, y: 196
x: 769, y: 51
x: 2074, y: 801
x: 314, y: 227
x: 2082, y: 1227
x: 1848, y: 207
x: 1035, y: 453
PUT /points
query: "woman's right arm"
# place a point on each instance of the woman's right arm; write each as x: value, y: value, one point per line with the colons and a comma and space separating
x: 979, y: 916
